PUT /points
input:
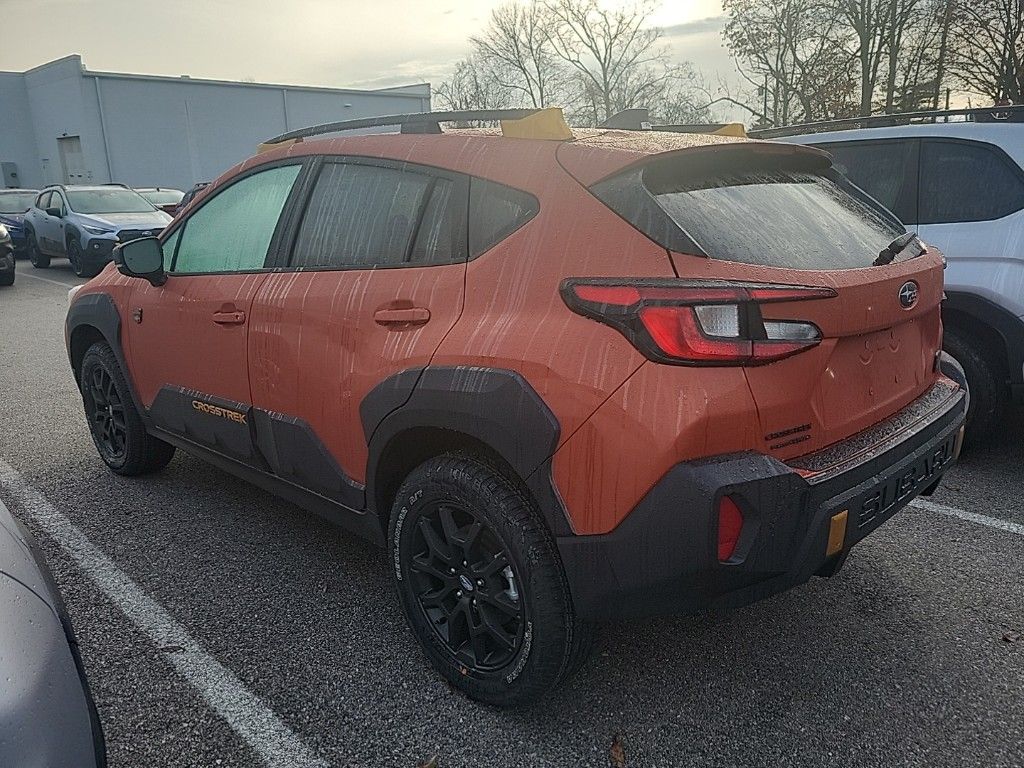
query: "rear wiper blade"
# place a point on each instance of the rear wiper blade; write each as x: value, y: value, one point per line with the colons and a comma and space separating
x: 893, y: 249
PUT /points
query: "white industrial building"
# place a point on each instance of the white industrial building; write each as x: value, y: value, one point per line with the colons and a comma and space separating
x: 62, y: 123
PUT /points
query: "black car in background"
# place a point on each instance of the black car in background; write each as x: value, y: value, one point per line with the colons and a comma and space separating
x: 13, y: 205
x: 6, y: 257
x: 47, y: 715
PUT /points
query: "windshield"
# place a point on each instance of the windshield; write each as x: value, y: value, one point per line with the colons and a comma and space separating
x: 163, y: 196
x: 113, y: 200
x: 16, y: 202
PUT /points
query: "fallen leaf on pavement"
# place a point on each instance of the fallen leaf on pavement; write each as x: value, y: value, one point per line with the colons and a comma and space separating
x: 618, y: 752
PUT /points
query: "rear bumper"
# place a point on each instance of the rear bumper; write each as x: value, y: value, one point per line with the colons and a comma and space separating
x: 663, y: 557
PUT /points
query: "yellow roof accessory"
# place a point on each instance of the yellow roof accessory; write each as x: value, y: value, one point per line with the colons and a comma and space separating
x: 731, y: 129
x: 548, y: 124
x: 267, y: 145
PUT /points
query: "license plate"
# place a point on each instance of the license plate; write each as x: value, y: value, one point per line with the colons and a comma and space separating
x: 892, y: 493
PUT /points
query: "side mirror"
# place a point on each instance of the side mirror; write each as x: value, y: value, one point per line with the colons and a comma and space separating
x: 142, y: 258
x: 55, y: 212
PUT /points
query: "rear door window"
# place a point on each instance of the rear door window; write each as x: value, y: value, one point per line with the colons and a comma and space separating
x: 886, y: 170
x: 363, y: 216
x: 967, y: 181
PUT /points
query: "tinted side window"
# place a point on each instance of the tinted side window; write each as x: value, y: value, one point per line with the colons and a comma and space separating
x: 967, y: 181
x: 360, y: 216
x: 232, y: 231
x: 883, y: 169
x: 442, y: 234
x: 495, y: 212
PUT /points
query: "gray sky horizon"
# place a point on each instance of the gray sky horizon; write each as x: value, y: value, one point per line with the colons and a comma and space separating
x: 333, y: 43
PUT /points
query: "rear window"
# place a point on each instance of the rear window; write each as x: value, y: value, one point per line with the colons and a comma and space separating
x: 754, y: 211
x: 163, y: 196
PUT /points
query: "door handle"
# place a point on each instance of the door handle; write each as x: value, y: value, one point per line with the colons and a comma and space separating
x: 229, y: 318
x: 402, y: 316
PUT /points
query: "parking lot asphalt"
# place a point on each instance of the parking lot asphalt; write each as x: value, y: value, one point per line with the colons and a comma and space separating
x: 286, y: 635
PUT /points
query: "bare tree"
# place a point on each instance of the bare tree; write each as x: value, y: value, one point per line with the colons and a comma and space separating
x: 472, y: 86
x: 794, y: 56
x: 989, y: 55
x: 618, y: 60
x: 516, y: 47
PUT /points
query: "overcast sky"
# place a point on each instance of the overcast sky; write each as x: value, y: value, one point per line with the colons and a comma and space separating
x: 371, y: 43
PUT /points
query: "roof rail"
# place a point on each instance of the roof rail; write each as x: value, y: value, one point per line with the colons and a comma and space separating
x: 416, y: 122
x: 1008, y: 114
x: 640, y: 120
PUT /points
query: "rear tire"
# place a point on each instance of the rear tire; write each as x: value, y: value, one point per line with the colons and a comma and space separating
x: 114, y: 423
x: 7, y: 278
x: 39, y: 259
x: 986, y: 382
x: 479, y: 580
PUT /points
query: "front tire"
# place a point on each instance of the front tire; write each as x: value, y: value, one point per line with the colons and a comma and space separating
x: 39, y: 259
x: 480, y: 583
x: 7, y: 278
x: 75, y: 259
x: 114, y: 423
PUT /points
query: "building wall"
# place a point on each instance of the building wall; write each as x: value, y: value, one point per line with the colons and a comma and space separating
x: 17, y: 140
x: 158, y: 131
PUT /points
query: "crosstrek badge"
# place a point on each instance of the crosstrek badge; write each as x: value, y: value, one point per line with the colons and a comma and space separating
x: 216, y: 410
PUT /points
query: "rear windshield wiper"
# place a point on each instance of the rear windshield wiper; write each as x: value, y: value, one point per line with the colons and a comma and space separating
x: 893, y: 249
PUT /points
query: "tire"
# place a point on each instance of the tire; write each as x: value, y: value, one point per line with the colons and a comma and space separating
x: 75, y: 259
x: 39, y: 259
x: 123, y: 444
x: 436, y: 512
x: 7, y: 278
x: 986, y: 381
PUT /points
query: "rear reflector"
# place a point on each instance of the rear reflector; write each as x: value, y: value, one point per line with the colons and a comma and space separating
x: 709, y: 322
x: 730, y: 523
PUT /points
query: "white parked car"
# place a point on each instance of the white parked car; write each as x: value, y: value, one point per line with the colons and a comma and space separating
x: 957, y: 179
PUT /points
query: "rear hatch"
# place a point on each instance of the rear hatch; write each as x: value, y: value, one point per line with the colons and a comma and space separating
x: 768, y: 213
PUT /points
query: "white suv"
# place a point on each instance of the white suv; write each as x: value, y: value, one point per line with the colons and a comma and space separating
x: 957, y: 179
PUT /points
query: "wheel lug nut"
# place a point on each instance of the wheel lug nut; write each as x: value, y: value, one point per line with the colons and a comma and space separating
x: 474, y: 601
x: 465, y: 563
x: 459, y: 593
x: 479, y: 582
x: 451, y: 570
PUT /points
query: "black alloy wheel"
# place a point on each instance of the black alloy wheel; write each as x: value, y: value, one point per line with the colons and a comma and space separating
x: 480, y: 582
x: 466, y: 586
x: 106, y: 414
x: 38, y: 259
x: 75, y: 258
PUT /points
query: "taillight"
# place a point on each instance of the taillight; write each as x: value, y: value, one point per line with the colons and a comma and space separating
x: 730, y: 523
x: 707, y: 322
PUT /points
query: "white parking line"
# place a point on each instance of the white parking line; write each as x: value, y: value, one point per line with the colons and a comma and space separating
x: 250, y: 717
x: 973, y: 517
x: 66, y: 286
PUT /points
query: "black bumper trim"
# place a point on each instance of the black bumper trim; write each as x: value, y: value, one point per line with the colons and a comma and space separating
x: 663, y: 557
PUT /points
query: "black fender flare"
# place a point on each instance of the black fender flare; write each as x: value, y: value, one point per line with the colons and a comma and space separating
x: 1008, y: 328
x: 497, y: 407
x: 97, y: 310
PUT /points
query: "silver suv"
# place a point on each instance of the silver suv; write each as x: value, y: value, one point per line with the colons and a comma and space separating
x: 84, y: 224
x: 957, y: 179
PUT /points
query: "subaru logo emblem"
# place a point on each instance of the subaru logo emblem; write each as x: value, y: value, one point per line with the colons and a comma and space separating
x: 466, y: 582
x: 908, y: 294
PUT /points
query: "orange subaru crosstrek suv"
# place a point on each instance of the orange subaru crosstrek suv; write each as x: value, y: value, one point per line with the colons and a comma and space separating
x: 563, y: 376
